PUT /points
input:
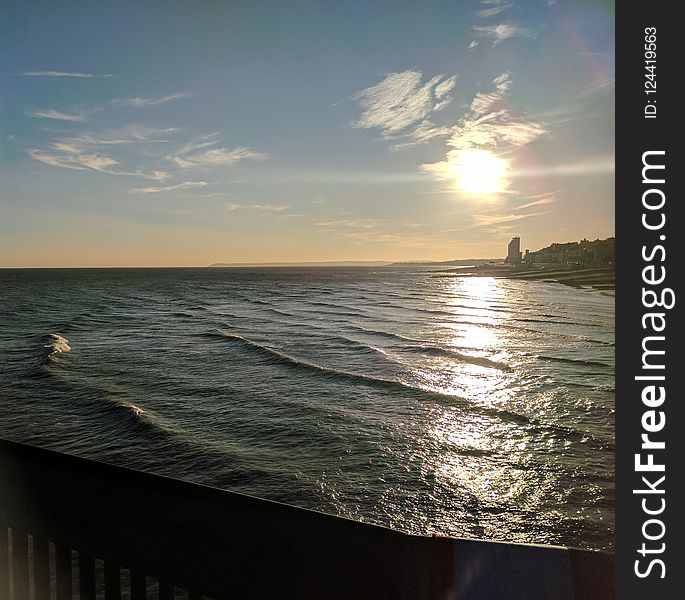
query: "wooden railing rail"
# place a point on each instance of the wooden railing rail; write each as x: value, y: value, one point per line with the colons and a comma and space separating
x: 76, y: 528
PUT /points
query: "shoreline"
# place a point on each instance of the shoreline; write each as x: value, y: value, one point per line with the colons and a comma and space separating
x: 602, y: 279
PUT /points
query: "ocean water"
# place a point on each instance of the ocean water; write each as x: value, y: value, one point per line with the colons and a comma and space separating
x: 408, y: 397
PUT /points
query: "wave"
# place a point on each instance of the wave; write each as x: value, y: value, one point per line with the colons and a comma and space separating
x: 49, y: 348
x: 337, y: 313
x: 414, y: 345
x: 549, y: 320
x: 576, y: 361
x: 183, y: 314
x: 256, y: 300
x: 383, y: 334
x: 280, y: 358
x: 280, y: 313
x: 334, y: 305
x: 481, y: 361
x: 537, y: 427
x: 138, y: 417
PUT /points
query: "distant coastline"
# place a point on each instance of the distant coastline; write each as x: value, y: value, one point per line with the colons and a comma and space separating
x: 337, y: 263
x: 578, y: 264
x: 363, y: 263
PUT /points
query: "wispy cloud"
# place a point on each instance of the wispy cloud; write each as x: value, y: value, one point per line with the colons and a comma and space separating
x: 91, y: 150
x: 473, y: 44
x: 168, y: 188
x: 55, y: 160
x: 488, y: 220
x: 109, y: 152
x: 70, y: 156
x: 188, y: 155
x: 265, y: 207
x: 353, y: 223
x: 57, y: 115
x: 483, y: 101
x: 495, y: 9
x: 64, y: 74
x: 594, y: 165
x: 145, y: 102
x: 402, y: 100
x: 496, y: 129
x: 70, y: 160
x: 421, y: 134
x: 545, y: 199
x: 504, y: 31
x: 488, y: 125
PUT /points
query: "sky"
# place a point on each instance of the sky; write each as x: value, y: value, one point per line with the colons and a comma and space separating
x: 187, y: 133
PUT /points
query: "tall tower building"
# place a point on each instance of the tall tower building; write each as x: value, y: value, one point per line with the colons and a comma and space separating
x: 514, y: 251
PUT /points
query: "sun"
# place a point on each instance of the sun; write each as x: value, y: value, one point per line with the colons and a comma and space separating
x: 479, y: 172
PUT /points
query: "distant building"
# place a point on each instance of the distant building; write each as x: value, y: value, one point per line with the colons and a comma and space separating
x: 514, y: 251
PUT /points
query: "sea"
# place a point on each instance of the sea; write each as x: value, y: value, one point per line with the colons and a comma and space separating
x: 421, y: 399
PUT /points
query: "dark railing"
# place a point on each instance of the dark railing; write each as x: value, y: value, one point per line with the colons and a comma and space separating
x: 75, y: 528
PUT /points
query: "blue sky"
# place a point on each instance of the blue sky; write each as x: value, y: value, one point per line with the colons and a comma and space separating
x: 186, y: 133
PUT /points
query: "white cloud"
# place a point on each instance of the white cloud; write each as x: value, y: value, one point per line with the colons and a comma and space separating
x: 105, y: 152
x: 68, y: 156
x: 55, y: 114
x: 488, y: 220
x: 216, y: 157
x: 130, y: 134
x: 69, y: 160
x: 493, y: 10
x: 179, y: 186
x: 145, y: 102
x: 504, y: 31
x: 422, y: 134
x: 76, y: 75
x: 402, y: 100
x: 488, y: 125
x: 97, y: 162
x: 264, y: 207
x: 483, y: 101
x: 496, y: 128
x: 204, y: 141
x: 57, y: 74
x: 353, y: 223
x: 545, y: 199
x: 473, y: 44
x: 84, y: 151
x: 54, y: 160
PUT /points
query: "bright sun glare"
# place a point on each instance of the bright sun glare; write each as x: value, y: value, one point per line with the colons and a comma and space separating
x: 479, y: 172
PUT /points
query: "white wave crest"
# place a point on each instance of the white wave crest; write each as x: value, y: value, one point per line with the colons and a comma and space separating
x: 56, y: 344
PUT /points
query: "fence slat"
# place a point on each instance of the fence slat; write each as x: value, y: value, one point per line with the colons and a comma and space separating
x: 20, y: 560
x: 63, y: 569
x: 86, y: 577
x: 4, y: 562
x: 112, y: 581
x: 41, y: 568
x: 138, y: 585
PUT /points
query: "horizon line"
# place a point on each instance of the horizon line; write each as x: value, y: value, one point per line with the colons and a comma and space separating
x: 350, y: 263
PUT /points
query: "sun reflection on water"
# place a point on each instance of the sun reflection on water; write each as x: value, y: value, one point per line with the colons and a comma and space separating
x: 477, y: 453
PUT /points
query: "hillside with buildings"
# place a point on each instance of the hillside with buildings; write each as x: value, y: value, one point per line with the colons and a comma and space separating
x: 579, y: 264
x: 598, y: 253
